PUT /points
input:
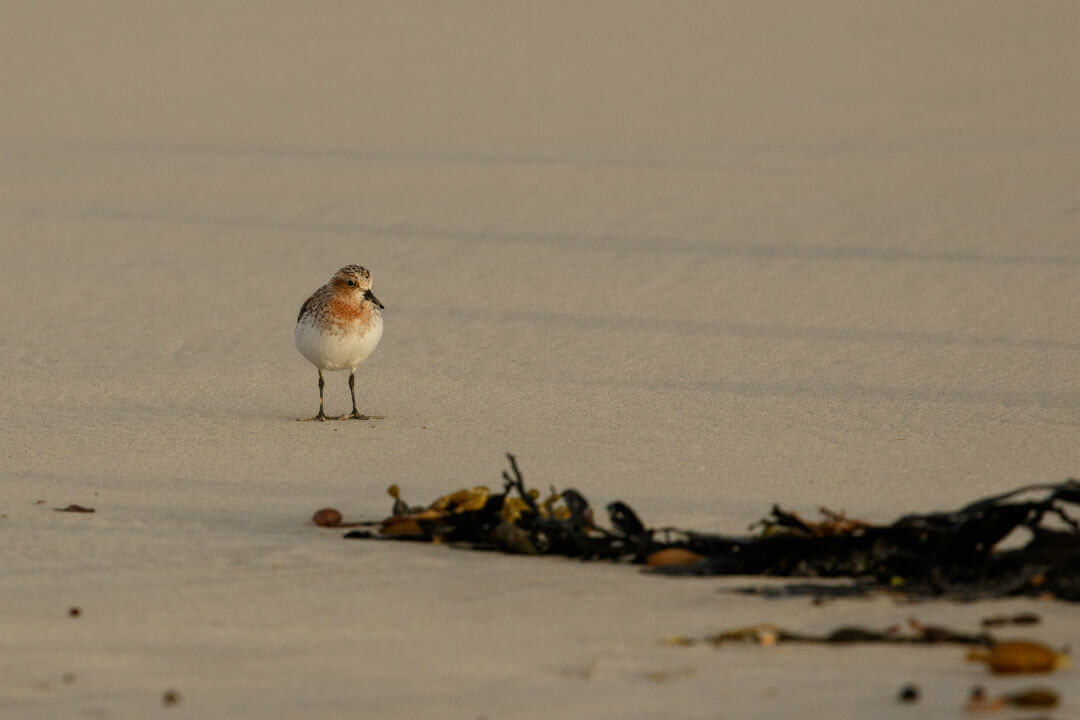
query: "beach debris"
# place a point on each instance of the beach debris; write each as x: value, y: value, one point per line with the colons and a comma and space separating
x: 679, y: 641
x: 1020, y: 656
x: 1033, y: 697
x: 917, y: 634
x: 68, y: 677
x: 1041, y: 697
x: 908, y: 694
x: 327, y: 517
x: 1026, y: 618
x: 1001, y: 657
x: 977, y: 699
x: 763, y: 634
x: 75, y: 509
x: 74, y: 611
x: 673, y: 556
x: 818, y: 592
x: 950, y: 554
x: 170, y: 698
x: 834, y: 524
x: 663, y: 676
x: 587, y: 672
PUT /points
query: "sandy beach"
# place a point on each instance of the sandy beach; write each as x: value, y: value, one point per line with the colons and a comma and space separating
x: 699, y: 257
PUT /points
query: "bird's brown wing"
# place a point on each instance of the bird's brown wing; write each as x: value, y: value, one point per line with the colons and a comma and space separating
x: 304, y: 308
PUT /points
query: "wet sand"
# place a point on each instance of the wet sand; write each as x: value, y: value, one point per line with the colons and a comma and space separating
x: 697, y: 257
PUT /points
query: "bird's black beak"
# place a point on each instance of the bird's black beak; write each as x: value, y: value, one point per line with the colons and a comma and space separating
x: 368, y: 295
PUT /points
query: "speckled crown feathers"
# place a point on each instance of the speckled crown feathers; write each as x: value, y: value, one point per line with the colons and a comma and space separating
x: 358, y: 273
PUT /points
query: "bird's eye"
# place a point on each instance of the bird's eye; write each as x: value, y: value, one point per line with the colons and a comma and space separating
x: 351, y: 283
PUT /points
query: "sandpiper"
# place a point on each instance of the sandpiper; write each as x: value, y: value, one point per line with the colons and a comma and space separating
x: 338, y: 327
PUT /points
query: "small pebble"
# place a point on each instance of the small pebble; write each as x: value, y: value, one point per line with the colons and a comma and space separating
x: 170, y: 698
x: 327, y: 517
x: 1018, y: 619
x: 908, y: 694
x: 673, y: 556
x: 1034, y: 697
x: 74, y: 612
x: 68, y: 677
x: 1018, y: 656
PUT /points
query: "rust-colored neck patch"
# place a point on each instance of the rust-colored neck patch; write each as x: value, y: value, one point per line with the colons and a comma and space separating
x: 346, y: 311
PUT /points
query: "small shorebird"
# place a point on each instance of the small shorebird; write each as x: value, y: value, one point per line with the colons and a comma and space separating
x: 338, y: 327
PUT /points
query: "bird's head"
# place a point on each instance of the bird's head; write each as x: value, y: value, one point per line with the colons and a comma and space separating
x: 354, y: 280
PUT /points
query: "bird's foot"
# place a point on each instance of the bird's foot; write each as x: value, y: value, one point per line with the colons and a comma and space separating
x: 321, y: 417
x: 354, y: 415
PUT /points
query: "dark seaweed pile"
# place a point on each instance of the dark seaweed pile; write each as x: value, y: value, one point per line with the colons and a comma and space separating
x: 941, y: 554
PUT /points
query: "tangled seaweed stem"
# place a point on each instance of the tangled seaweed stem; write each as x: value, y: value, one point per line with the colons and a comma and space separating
x: 1069, y: 491
x: 949, y: 554
x: 1066, y: 519
x: 518, y: 483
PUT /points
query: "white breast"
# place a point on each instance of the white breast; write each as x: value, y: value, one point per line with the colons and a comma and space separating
x: 334, y: 349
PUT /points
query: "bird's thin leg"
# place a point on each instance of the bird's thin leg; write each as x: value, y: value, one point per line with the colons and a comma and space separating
x: 321, y: 415
x: 322, y: 384
x: 355, y: 414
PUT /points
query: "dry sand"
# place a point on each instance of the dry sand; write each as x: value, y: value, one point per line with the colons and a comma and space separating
x: 698, y: 257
